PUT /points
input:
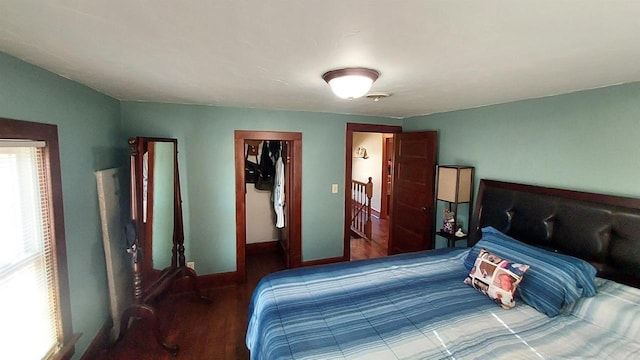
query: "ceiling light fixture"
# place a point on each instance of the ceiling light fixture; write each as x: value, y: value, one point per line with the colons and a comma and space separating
x: 350, y: 83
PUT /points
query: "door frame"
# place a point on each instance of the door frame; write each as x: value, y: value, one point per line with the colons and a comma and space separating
x: 348, y: 173
x: 295, y: 189
x: 385, y: 203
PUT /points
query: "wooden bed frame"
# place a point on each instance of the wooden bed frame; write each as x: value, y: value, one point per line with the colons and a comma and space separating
x: 602, y: 229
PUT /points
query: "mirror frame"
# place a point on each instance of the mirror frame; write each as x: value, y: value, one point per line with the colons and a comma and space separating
x: 156, y: 282
x: 138, y: 146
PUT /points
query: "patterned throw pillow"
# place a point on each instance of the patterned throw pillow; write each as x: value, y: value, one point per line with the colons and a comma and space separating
x: 497, y: 278
x: 554, y: 280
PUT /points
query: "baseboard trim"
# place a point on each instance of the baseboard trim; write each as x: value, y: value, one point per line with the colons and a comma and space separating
x: 323, y: 261
x: 99, y: 342
x: 183, y: 285
x: 263, y: 247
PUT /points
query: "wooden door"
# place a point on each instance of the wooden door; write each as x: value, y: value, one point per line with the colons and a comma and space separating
x: 413, y: 185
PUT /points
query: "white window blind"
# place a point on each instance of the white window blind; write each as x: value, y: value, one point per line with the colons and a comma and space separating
x: 31, y: 325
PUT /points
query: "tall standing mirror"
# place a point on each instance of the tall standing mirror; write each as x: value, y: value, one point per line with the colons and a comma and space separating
x: 160, y: 198
x: 157, y: 246
x: 156, y: 206
x: 162, y: 214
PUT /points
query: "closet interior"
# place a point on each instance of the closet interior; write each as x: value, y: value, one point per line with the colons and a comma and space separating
x: 265, y: 196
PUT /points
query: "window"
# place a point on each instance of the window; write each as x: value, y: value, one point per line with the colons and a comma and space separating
x: 34, y: 306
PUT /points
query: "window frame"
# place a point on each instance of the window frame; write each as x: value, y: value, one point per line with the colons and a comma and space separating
x: 27, y: 130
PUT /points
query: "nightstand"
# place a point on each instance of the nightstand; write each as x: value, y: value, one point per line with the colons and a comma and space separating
x: 451, y: 238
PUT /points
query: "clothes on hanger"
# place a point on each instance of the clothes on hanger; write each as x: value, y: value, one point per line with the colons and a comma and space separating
x: 274, y: 149
x: 278, y: 192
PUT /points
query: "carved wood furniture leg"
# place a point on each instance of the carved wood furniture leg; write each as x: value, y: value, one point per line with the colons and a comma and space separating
x: 181, y: 258
x: 141, y: 311
x: 191, y: 274
x: 124, y: 325
x: 155, y: 325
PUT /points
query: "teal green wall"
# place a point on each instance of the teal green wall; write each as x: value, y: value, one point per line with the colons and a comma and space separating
x: 587, y: 140
x: 88, y: 129
x: 207, y: 172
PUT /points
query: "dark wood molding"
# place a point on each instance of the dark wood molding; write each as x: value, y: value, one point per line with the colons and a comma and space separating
x: 241, y: 206
x: 100, y: 342
x: 68, y: 348
x: 384, y: 200
x: 351, y: 128
x: 295, y: 188
x: 324, y: 261
x: 295, y: 223
x: 27, y: 130
x: 263, y: 247
x: 184, y: 285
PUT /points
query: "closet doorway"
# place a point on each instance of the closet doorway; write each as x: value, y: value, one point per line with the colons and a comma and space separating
x: 290, y: 235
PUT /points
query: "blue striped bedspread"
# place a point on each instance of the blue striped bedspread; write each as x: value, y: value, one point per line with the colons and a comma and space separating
x: 416, y: 306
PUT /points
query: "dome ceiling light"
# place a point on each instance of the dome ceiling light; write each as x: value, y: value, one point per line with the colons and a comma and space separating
x: 350, y: 83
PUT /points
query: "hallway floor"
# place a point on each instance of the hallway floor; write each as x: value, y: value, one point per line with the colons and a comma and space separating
x: 377, y: 246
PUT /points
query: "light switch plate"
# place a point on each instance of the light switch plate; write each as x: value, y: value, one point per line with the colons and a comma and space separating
x: 334, y: 188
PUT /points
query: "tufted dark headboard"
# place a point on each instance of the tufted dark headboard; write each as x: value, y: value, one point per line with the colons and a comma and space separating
x: 602, y: 229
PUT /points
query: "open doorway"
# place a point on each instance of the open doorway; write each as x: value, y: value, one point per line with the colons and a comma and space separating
x: 368, y: 191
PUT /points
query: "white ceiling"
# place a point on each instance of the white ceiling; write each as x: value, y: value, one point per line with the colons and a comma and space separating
x: 434, y: 56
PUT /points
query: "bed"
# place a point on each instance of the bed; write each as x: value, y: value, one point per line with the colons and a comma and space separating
x: 578, y: 297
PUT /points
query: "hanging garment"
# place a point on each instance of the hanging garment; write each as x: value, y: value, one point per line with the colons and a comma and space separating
x: 251, y: 169
x: 267, y: 170
x: 278, y: 193
x: 274, y: 150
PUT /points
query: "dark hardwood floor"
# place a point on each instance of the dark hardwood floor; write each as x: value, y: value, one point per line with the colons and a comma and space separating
x: 216, y: 330
x: 377, y: 246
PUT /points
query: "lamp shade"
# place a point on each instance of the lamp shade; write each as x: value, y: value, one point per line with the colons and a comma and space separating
x: 455, y: 183
x: 350, y: 83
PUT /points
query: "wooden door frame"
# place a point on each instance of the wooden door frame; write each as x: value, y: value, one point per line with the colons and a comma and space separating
x: 384, y: 202
x: 348, y: 173
x: 295, y: 220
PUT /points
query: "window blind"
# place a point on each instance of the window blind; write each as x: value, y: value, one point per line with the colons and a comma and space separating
x: 31, y: 325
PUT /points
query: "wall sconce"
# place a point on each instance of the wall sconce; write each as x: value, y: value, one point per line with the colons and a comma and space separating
x: 361, y: 152
x: 350, y: 83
